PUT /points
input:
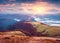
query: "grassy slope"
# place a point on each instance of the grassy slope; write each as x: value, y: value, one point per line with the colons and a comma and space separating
x: 13, y: 33
x: 50, y: 30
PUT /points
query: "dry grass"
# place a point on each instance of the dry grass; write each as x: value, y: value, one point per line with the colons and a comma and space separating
x: 50, y: 30
x: 27, y: 39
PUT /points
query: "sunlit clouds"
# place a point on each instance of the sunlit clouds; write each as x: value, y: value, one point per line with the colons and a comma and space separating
x: 33, y: 7
x: 37, y: 8
x: 48, y: 21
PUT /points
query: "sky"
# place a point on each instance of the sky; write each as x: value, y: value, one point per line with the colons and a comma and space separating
x: 48, y: 8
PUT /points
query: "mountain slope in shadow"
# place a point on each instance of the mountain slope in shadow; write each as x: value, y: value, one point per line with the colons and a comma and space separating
x: 25, y: 27
x: 35, y: 29
x: 28, y: 28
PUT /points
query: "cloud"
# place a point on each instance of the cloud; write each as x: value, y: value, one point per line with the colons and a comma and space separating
x: 47, y: 21
x: 16, y: 1
x: 55, y: 25
x: 57, y: 2
x: 37, y: 8
x: 32, y: 7
x: 18, y: 20
x: 25, y: 0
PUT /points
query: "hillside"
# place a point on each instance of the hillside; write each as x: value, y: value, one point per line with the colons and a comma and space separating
x: 27, y: 39
x: 35, y: 29
x: 28, y: 32
x: 48, y: 30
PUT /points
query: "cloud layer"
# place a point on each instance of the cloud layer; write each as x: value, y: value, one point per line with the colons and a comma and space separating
x: 37, y: 8
x: 32, y: 7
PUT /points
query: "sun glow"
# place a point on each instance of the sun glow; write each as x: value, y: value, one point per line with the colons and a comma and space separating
x: 38, y: 8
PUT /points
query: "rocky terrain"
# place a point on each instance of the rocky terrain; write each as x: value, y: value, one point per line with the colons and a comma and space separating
x: 27, y: 39
x: 30, y: 32
x: 35, y: 29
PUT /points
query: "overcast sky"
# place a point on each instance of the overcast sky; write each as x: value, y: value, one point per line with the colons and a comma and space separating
x: 33, y: 7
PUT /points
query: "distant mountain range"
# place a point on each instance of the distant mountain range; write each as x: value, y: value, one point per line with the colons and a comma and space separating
x: 34, y: 29
x: 27, y: 25
x: 8, y: 19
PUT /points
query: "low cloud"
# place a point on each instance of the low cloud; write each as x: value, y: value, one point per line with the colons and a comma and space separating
x: 48, y: 21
